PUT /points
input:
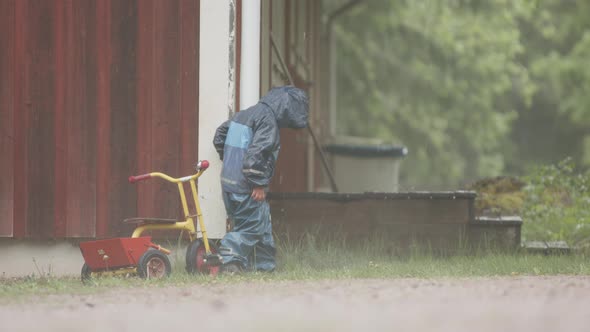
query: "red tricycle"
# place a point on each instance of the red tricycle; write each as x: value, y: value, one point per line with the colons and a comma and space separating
x: 139, y: 255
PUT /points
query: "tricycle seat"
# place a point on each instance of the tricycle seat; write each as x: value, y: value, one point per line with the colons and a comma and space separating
x: 141, y: 220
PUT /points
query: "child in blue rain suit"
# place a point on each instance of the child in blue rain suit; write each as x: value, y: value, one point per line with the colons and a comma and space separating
x: 249, y: 144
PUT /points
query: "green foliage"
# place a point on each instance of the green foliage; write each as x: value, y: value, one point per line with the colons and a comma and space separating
x: 554, y: 202
x: 474, y: 88
x: 558, y: 205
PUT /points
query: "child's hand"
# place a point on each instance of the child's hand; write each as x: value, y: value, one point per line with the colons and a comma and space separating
x: 258, y: 194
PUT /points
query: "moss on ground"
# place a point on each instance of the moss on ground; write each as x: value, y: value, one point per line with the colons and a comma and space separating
x: 500, y: 195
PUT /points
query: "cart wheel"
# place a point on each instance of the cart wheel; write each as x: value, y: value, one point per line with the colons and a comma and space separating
x: 194, y: 258
x: 153, y: 264
x: 86, y: 274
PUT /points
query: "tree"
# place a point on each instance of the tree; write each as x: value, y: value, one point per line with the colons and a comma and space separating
x: 459, y: 82
x: 556, y: 37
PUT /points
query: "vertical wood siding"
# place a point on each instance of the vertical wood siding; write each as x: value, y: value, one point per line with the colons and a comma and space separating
x: 90, y: 93
x: 7, y: 133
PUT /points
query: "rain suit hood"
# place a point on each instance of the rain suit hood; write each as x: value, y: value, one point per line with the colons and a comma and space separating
x: 289, y: 105
x: 249, y: 142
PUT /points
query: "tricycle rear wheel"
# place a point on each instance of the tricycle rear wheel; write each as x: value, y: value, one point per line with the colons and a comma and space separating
x: 195, y: 254
x: 86, y: 274
x: 153, y: 264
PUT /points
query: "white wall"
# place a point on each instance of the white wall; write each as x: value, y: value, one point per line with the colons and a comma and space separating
x: 250, y: 54
x: 215, y: 104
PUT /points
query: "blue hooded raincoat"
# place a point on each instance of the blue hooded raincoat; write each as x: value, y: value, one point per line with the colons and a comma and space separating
x: 249, y: 145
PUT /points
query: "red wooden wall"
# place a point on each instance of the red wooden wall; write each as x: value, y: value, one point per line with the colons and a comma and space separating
x: 90, y: 93
x: 6, y: 117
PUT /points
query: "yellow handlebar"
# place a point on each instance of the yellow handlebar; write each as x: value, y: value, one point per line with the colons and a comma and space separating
x: 201, y: 167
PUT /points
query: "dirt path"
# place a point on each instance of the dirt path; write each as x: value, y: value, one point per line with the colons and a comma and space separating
x: 492, y: 304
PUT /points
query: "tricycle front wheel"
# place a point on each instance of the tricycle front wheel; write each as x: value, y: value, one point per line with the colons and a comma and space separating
x: 195, y: 258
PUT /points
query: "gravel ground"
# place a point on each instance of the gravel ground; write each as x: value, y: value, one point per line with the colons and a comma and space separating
x: 559, y: 303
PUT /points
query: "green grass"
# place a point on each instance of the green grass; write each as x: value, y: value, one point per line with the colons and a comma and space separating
x: 310, y: 259
x: 346, y: 267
